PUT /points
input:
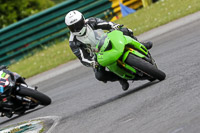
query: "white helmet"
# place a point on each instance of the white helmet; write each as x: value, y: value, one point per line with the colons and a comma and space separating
x: 75, y: 22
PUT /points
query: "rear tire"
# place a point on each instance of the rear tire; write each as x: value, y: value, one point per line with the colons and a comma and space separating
x: 145, y: 67
x: 40, y: 97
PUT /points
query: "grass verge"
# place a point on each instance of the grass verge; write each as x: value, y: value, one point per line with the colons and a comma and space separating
x: 143, y: 20
x: 159, y: 13
x: 44, y: 60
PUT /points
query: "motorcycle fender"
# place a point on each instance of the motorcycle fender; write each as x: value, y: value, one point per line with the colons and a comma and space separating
x: 138, y: 54
x: 26, y: 86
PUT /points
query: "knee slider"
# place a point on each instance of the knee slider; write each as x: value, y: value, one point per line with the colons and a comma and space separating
x: 99, y: 76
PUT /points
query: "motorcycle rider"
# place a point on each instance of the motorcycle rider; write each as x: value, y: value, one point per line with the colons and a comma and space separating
x: 82, y: 39
x: 6, y: 103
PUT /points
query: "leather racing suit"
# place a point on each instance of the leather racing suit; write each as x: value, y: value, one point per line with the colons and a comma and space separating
x: 80, y: 44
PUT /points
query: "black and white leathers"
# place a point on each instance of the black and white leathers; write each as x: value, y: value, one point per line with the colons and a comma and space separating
x: 79, y: 47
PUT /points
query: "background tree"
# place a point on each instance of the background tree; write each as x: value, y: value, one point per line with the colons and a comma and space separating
x: 58, y: 1
x: 12, y: 11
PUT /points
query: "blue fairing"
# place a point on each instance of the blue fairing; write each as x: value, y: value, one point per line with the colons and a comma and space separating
x: 1, y: 89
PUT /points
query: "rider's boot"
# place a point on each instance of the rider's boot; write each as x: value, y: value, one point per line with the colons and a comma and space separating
x: 148, y: 44
x: 8, y: 114
x: 124, y: 83
x: 6, y: 105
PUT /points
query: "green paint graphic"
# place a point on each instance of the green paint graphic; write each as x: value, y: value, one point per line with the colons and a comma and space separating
x: 3, y: 75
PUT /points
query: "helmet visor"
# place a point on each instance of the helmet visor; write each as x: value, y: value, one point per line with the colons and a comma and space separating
x: 77, y: 26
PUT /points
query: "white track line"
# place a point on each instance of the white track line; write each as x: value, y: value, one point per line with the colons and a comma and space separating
x: 56, y: 121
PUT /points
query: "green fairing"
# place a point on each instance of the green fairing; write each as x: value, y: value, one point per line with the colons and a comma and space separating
x: 120, y: 72
x: 138, y: 46
x: 108, y: 57
x: 134, y: 52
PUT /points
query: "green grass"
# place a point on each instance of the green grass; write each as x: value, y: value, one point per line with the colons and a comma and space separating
x: 143, y: 20
x: 159, y: 13
x: 44, y: 60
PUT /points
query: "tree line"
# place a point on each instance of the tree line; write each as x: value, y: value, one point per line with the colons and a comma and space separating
x: 12, y: 11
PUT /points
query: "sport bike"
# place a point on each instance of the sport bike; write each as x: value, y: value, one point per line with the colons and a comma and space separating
x: 16, y: 96
x: 126, y: 57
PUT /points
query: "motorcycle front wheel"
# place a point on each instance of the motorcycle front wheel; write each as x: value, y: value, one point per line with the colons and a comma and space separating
x: 145, y: 67
x: 35, y: 95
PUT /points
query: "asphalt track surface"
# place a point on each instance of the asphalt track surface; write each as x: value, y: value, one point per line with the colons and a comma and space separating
x: 85, y: 105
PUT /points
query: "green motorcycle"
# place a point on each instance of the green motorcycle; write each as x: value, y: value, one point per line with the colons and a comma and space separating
x: 126, y: 57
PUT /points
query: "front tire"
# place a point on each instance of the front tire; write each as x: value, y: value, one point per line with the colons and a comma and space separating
x: 40, y: 97
x: 145, y: 67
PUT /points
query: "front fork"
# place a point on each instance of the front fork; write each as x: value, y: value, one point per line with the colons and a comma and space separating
x: 152, y: 61
x: 25, y: 85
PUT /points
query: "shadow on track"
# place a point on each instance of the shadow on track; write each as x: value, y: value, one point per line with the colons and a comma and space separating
x: 122, y: 95
x: 111, y: 99
x: 13, y: 118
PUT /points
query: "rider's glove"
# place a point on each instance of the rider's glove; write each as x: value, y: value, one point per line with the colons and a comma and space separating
x: 117, y: 26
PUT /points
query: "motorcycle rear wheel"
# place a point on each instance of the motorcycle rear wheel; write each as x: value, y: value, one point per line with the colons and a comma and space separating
x: 145, y: 67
